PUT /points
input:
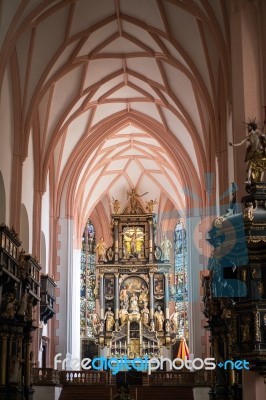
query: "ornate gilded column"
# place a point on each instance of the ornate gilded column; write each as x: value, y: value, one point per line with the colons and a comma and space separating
x: 151, y: 274
x: 3, y: 361
x: 116, y: 240
x: 101, y: 298
x: 116, y: 300
x: 150, y: 240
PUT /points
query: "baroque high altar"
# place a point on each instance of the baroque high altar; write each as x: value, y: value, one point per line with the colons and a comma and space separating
x: 132, y: 286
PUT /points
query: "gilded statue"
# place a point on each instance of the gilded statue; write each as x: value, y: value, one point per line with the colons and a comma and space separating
x: 109, y: 319
x: 101, y: 250
x: 159, y: 319
x: 248, y: 212
x: 95, y: 319
x: 133, y: 307
x: 245, y: 330
x: 174, y: 320
x: 116, y: 206
x: 123, y: 314
x: 144, y: 295
x: 145, y: 313
x: 255, y: 154
x: 133, y: 200
x: 150, y: 205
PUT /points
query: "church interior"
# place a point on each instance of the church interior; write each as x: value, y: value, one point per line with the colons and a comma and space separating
x: 132, y: 199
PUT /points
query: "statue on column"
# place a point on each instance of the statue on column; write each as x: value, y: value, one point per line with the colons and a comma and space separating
x: 255, y: 154
x: 159, y: 319
x: 145, y: 313
x: 101, y: 250
x: 109, y: 319
x: 166, y: 245
x: 174, y: 320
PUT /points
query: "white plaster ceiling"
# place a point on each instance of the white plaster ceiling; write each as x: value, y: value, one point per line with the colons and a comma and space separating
x: 120, y: 94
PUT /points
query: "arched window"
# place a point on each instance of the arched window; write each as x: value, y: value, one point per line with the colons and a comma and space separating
x: 87, y: 281
x: 181, y: 286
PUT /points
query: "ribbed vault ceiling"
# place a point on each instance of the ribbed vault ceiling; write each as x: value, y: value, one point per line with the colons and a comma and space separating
x: 118, y: 94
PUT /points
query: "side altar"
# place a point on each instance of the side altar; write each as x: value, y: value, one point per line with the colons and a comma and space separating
x: 133, y: 285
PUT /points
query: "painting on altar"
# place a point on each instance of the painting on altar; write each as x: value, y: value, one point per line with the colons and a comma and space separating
x: 158, y: 284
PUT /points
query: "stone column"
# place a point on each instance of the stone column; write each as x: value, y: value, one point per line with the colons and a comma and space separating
x: 151, y: 274
x: 116, y: 299
x: 116, y: 241
x: 101, y: 297
x: 150, y: 240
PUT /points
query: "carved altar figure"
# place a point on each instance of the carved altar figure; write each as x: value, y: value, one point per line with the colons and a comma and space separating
x: 150, y: 204
x: 109, y: 319
x: 101, y: 250
x: 123, y: 315
x: 133, y: 199
x: 145, y: 314
x: 8, y: 305
x: 255, y: 153
x: 124, y: 297
x: 174, y: 320
x: 116, y: 206
x: 144, y: 295
x: 134, y: 303
x: 159, y: 319
x: 248, y: 212
x: 245, y: 330
x: 95, y: 319
x: 133, y: 239
x: 166, y: 245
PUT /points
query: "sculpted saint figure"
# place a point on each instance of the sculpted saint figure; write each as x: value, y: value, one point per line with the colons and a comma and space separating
x: 109, y: 319
x: 174, y: 320
x: 145, y: 314
x: 166, y: 246
x: 159, y: 319
x: 101, y: 250
x: 123, y: 315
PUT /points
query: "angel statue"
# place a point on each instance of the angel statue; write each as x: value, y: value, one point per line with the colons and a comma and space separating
x: 150, y: 204
x: 116, y: 206
x: 133, y: 200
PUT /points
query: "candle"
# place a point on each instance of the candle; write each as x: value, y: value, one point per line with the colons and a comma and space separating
x: 120, y: 345
x: 115, y: 346
x: 143, y: 345
x: 153, y: 346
